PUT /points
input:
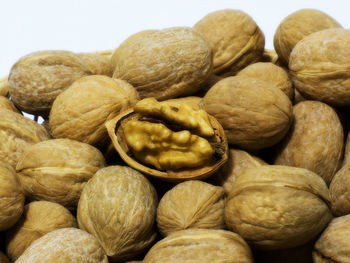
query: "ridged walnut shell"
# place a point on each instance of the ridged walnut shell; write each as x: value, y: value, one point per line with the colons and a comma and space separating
x: 340, y: 191
x: 3, y: 258
x: 3, y: 87
x: 97, y: 63
x: 116, y: 133
x: 200, y: 245
x: 17, y: 133
x: 38, y: 219
x: 164, y: 63
x: 191, y: 204
x: 118, y: 206
x: 64, y: 245
x: 57, y: 170
x: 36, y: 79
x: 315, y: 140
x: 6, y: 104
x: 296, y: 26
x: 235, y: 39
x: 320, y: 68
x: 277, y: 207
x: 253, y: 113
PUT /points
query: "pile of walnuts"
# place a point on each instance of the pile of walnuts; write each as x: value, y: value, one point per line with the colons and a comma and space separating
x: 186, y: 144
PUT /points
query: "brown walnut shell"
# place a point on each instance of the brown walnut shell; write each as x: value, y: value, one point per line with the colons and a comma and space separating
x: 5, y: 103
x: 3, y: 87
x: 116, y: 133
x: 3, y: 258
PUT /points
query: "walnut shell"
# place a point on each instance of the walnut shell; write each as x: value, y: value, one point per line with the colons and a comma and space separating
x: 3, y: 87
x: 191, y: 204
x: 5, y: 103
x: 36, y: 79
x: 118, y: 206
x: 38, y: 218
x: 79, y: 113
x: 235, y: 39
x: 270, y: 55
x: 97, y: 63
x: 3, y: 258
x: 340, y: 191
x: 64, y: 245
x: 200, y: 245
x: 315, y: 141
x: 271, y: 73
x: 278, y: 207
x: 11, y: 197
x: 319, y: 66
x: 253, y: 113
x: 17, y: 134
x: 164, y: 63
x: 333, y: 245
x: 296, y: 26
x: 57, y: 170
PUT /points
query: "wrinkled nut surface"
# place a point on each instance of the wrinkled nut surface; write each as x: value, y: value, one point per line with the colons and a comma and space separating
x: 296, y: 26
x: 277, y: 207
x: 333, y: 245
x: 164, y: 63
x: 235, y: 39
x: 11, y: 197
x: 191, y: 204
x: 37, y: 79
x: 38, y: 218
x: 3, y: 86
x: 315, y: 141
x: 253, y: 113
x: 271, y: 73
x: 340, y: 191
x: 3, y: 258
x: 17, y: 133
x: 320, y: 68
x: 97, y: 63
x: 200, y: 245
x: 118, y: 206
x: 64, y: 245
x: 56, y: 170
x: 6, y: 104
x: 79, y: 113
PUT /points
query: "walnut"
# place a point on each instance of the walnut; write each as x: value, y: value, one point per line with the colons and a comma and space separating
x: 315, y: 141
x: 7, y: 104
x: 38, y: 218
x: 118, y: 206
x: 200, y: 245
x: 3, y: 258
x: 64, y: 245
x: 57, y: 170
x: 235, y: 39
x: 253, y: 113
x: 270, y: 55
x: 3, y: 87
x: 191, y: 204
x: 164, y: 63
x: 97, y: 63
x: 340, y: 191
x: 278, y: 207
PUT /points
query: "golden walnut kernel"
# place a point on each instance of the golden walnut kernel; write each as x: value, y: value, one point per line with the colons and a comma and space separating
x: 56, y: 170
x: 315, y: 141
x: 277, y: 207
x: 235, y: 39
x: 164, y: 63
x: 64, y: 245
x: 118, y: 206
x: 200, y: 245
x: 254, y: 113
x: 191, y: 204
x: 38, y: 218
x: 16, y: 134
x: 319, y: 66
x: 36, y: 79
x: 296, y: 26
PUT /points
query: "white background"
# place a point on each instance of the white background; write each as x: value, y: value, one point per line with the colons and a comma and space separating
x: 86, y: 25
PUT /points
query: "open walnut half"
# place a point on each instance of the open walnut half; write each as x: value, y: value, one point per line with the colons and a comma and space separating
x: 168, y: 142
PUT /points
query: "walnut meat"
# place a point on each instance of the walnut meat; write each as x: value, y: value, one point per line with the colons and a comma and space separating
x: 253, y: 113
x: 235, y: 39
x: 17, y: 133
x: 200, y: 245
x: 164, y: 63
x: 296, y: 26
x: 277, y: 207
x: 57, y: 170
x: 36, y: 79
x: 118, y: 206
x: 319, y: 66
x: 38, y: 218
x: 191, y: 204
x: 79, y: 113
x: 315, y: 141
x: 64, y: 245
